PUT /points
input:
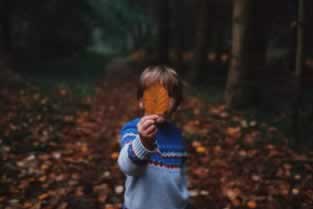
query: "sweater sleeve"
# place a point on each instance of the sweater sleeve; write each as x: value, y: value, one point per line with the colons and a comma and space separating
x: 133, y: 155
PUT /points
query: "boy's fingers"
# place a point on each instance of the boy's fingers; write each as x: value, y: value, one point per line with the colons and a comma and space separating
x: 142, y: 122
x: 150, y: 129
x: 149, y: 117
x: 160, y: 119
x: 143, y: 126
x: 147, y: 123
x: 152, y: 134
x: 143, y: 119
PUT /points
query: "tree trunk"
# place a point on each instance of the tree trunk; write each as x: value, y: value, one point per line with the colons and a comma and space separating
x: 235, y: 90
x: 163, y: 13
x: 178, y: 11
x: 308, y: 49
x: 308, y: 27
x: 5, y: 24
x: 249, y: 44
x: 200, y: 54
x: 298, y: 71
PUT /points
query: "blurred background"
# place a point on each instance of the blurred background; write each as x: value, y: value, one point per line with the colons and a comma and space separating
x: 68, y: 75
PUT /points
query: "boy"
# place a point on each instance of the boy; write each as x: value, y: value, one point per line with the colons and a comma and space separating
x: 152, y: 152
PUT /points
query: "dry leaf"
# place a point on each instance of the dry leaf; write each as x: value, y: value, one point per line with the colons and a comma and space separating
x: 233, y: 132
x: 200, y: 149
x: 251, y: 204
x: 156, y: 99
x: 43, y: 196
x: 114, y: 155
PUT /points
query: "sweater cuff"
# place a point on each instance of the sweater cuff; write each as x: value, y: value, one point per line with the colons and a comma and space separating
x: 140, y: 150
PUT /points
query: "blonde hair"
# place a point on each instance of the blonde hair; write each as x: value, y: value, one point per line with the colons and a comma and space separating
x: 167, y: 76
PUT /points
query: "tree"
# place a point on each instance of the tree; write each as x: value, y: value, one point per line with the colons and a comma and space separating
x: 5, y: 24
x: 298, y: 68
x: 163, y: 31
x: 178, y: 10
x: 200, y: 55
x: 249, y: 43
x: 235, y: 91
x: 308, y: 27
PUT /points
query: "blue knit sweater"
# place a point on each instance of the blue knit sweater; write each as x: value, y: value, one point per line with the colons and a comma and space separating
x: 155, y: 179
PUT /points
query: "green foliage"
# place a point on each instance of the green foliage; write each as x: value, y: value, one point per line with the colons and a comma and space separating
x: 54, y: 29
x: 118, y: 20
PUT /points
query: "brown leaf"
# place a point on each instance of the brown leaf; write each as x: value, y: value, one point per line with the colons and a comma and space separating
x: 251, y: 204
x: 156, y: 99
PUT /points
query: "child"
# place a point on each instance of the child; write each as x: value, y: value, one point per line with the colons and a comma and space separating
x: 152, y: 152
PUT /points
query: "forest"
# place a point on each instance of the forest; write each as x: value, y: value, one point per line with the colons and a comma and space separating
x: 68, y: 73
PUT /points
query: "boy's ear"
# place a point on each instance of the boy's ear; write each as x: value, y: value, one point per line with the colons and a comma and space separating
x: 171, y: 104
x: 140, y: 103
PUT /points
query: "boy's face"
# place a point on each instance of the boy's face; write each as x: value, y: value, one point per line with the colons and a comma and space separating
x: 167, y: 114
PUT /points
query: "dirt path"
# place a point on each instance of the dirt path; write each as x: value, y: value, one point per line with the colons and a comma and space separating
x: 58, y: 151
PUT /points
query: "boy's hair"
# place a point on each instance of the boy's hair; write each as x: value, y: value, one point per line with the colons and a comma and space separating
x: 167, y: 77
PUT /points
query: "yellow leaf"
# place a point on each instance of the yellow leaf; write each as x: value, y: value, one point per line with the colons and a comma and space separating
x: 156, y: 99
x: 201, y: 149
x: 43, y: 196
x: 84, y: 148
x: 114, y: 155
x: 251, y: 204
x: 233, y: 132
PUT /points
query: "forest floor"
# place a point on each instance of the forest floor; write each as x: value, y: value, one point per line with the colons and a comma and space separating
x: 59, y: 150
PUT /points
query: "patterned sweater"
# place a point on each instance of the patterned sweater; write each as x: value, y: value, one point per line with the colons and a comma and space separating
x: 155, y: 179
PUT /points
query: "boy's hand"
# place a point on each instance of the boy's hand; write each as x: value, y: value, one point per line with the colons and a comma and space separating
x: 147, y: 130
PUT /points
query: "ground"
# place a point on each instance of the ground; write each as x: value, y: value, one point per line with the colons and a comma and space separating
x: 59, y: 150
